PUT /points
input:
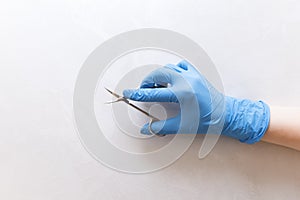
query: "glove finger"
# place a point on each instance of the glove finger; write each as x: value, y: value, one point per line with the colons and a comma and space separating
x: 150, y: 95
x: 173, y: 67
x: 184, y: 64
x: 169, y: 126
x: 161, y: 76
x: 188, y: 67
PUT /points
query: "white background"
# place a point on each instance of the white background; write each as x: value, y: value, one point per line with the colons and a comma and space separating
x: 255, y: 45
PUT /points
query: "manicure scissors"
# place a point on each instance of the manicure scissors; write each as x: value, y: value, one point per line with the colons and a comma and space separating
x: 125, y: 100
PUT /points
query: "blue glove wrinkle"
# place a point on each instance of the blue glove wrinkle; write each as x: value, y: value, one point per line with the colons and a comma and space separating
x: 246, y: 120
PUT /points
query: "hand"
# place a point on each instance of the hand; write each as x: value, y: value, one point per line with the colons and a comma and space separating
x: 202, y: 106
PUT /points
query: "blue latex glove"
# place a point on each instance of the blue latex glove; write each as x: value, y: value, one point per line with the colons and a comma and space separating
x: 242, y: 119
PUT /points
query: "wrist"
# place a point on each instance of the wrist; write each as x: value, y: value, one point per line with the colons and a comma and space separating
x: 245, y: 120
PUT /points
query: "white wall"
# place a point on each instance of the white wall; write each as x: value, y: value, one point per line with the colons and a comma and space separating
x: 255, y: 46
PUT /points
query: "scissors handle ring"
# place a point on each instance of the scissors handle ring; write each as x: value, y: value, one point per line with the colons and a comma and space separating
x: 152, y: 120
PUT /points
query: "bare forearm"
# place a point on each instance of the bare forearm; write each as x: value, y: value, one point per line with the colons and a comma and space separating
x: 284, y: 127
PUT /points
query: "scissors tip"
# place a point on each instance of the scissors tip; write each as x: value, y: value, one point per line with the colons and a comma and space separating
x: 113, y: 93
x: 108, y: 90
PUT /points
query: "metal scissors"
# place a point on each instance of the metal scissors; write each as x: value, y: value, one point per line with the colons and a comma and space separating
x: 125, y: 100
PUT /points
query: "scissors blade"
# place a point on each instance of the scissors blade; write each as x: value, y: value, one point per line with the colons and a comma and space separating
x: 121, y: 98
x: 153, y: 119
x: 113, y: 93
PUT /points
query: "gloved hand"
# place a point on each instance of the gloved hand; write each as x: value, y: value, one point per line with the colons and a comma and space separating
x: 201, y: 105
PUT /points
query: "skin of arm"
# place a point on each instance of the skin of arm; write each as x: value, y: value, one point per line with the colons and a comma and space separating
x: 284, y: 127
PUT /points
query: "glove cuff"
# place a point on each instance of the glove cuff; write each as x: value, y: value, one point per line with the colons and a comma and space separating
x: 246, y: 120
